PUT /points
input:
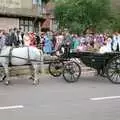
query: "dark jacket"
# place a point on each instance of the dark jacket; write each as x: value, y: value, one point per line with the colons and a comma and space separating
x: 8, y: 41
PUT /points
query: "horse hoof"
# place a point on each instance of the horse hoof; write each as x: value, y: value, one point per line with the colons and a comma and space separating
x: 7, y: 83
x: 36, y: 83
x: 31, y: 78
x: 2, y: 79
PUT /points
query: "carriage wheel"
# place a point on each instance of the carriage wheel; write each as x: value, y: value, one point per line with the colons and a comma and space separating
x: 71, y: 72
x: 2, y: 74
x: 56, y: 68
x: 113, y: 70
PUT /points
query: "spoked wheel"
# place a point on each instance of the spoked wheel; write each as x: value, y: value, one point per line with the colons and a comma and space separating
x: 2, y: 74
x: 113, y: 70
x: 71, y: 72
x: 56, y: 68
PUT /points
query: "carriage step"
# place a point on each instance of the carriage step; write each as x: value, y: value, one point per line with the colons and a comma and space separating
x: 87, y: 69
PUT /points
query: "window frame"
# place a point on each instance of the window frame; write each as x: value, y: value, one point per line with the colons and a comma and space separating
x: 26, y: 23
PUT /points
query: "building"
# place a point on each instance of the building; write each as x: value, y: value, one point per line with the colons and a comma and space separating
x: 26, y: 14
x: 49, y: 22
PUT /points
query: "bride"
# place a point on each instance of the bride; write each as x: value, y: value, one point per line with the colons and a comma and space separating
x: 107, y: 46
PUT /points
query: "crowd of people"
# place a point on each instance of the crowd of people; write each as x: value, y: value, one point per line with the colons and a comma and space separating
x: 89, y: 42
x: 51, y: 41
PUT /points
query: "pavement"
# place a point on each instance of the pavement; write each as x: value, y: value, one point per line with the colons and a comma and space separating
x: 54, y: 99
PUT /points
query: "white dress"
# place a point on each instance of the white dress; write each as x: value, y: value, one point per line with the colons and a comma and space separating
x: 106, y: 48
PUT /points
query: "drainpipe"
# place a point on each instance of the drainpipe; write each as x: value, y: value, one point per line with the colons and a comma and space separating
x: 38, y: 11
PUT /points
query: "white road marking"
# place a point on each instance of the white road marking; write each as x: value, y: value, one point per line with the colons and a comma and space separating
x: 12, y: 107
x: 105, y: 98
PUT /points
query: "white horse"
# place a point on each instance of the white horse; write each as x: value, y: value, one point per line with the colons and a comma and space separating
x: 21, y: 56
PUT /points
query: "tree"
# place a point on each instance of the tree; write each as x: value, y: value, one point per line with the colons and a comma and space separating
x: 77, y: 15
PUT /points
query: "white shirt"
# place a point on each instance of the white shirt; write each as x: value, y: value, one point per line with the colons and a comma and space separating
x: 116, y: 41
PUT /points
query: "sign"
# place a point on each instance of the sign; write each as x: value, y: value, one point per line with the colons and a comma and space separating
x: 10, y: 3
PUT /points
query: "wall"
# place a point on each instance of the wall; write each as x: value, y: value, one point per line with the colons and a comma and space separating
x: 48, y: 14
x: 18, y: 7
x: 7, y: 23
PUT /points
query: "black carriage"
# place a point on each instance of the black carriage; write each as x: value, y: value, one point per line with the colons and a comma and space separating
x: 107, y: 63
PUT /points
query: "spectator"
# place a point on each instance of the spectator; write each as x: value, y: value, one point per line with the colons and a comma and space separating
x: 47, y: 45
x: 59, y: 40
x: 19, y: 39
x: 107, y: 45
x: 75, y: 41
x: 9, y: 40
x: 14, y: 38
x: 26, y: 39
x: 54, y: 42
x: 116, y: 42
x: 32, y: 39
x: 37, y: 37
x: 21, y: 34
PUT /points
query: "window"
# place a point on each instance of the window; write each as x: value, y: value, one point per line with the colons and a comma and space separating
x: 26, y: 25
x: 30, y: 23
x: 34, y: 2
x: 30, y: 29
x: 26, y: 22
x: 21, y: 21
x: 39, y: 2
x: 36, y: 27
x: 26, y: 28
x: 22, y: 28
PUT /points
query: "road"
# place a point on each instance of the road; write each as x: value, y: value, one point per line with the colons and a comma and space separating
x: 54, y: 99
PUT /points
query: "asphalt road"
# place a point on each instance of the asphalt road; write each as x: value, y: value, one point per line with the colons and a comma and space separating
x: 54, y: 99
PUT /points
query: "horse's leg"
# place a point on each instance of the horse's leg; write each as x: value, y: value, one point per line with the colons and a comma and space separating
x: 103, y: 74
x: 42, y: 62
x: 42, y: 67
x: 98, y: 71
x: 2, y: 74
x: 31, y: 72
x: 36, y: 80
x: 7, y: 74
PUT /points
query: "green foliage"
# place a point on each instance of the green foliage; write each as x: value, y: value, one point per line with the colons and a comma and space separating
x: 116, y: 24
x: 77, y: 15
